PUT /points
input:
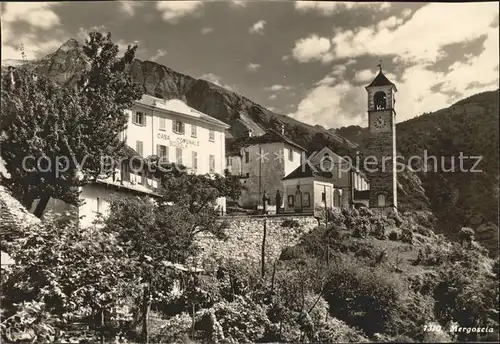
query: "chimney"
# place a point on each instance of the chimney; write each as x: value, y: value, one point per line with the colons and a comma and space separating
x: 282, y: 129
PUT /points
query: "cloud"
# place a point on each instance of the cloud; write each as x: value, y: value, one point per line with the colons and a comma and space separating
x: 258, y: 27
x: 277, y: 87
x: 416, y: 46
x: 206, y: 30
x: 159, y: 53
x: 331, y: 106
x: 253, y: 67
x: 83, y: 33
x: 312, y: 48
x: 39, y: 16
x: 328, y: 8
x: 237, y: 3
x: 273, y: 96
x: 129, y: 7
x: 215, y: 79
x: 174, y: 11
x: 364, y: 76
x: 420, y: 30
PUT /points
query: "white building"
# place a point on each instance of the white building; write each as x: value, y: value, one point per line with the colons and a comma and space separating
x: 325, y: 180
x: 261, y: 162
x: 169, y: 129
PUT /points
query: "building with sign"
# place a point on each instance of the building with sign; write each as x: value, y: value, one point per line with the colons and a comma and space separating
x: 169, y: 129
x: 261, y: 162
x: 325, y: 181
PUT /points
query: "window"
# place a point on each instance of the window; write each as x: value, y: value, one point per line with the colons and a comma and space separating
x: 307, y: 200
x: 291, y: 199
x: 212, y: 163
x: 193, y: 130
x: 138, y: 147
x: 211, y: 135
x: 290, y: 155
x: 178, y: 155
x: 195, y: 160
x: 229, y: 162
x: 381, y: 200
x: 178, y: 127
x: 323, y: 197
x: 163, y: 123
x: 162, y: 152
x: 98, y: 205
x: 247, y: 156
x: 139, y: 118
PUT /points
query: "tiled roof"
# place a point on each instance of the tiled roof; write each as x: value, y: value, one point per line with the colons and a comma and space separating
x: 271, y: 136
x: 180, y: 107
x: 381, y: 80
x: 305, y: 171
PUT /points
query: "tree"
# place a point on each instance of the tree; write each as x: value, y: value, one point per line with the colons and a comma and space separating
x: 49, y: 133
x: 157, y: 231
x: 64, y: 274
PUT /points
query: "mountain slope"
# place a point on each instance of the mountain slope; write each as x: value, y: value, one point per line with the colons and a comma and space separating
x: 460, y: 198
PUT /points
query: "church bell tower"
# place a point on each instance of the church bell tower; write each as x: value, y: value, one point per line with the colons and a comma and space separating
x: 382, y: 144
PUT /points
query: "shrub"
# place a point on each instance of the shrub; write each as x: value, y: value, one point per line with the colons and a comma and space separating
x: 290, y: 223
x: 407, y: 236
x: 173, y: 330
x: 336, y: 331
x: 378, y: 228
x: 293, y: 252
x: 362, y: 297
x: 394, y: 236
x: 398, y: 221
x: 242, y: 320
x: 466, y: 235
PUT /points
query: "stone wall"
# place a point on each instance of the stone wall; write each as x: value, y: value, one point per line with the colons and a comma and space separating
x: 245, y: 238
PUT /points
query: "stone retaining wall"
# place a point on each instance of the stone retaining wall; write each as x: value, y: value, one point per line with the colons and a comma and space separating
x: 245, y: 238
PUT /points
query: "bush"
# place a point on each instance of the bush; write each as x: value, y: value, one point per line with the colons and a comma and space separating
x: 398, y: 221
x: 394, y: 236
x: 290, y: 223
x: 174, y: 330
x: 242, y: 321
x: 362, y: 297
x: 336, y: 331
x: 293, y: 252
x: 407, y: 236
x: 466, y: 235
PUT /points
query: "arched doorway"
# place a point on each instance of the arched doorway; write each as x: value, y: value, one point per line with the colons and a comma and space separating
x: 381, y: 200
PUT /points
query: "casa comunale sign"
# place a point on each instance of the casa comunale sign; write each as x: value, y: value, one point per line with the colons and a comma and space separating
x: 178, y: 142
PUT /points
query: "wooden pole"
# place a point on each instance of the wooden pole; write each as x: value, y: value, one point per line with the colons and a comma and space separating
x: 263, y: 252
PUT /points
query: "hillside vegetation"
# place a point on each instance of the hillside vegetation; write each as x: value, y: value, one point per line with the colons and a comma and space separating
x: 457, y: 198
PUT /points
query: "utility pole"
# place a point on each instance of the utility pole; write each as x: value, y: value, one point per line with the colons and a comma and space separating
x: 263, y: 252
x: 260, y: 176
x: 326, y: 209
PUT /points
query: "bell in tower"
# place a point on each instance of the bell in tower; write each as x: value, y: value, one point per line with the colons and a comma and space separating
x: 381, y: 92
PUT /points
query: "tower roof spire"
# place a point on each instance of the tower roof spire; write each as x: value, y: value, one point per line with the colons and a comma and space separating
x: 381, y: 79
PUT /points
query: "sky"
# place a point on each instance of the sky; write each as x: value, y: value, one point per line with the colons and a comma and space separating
x: 308, y: 60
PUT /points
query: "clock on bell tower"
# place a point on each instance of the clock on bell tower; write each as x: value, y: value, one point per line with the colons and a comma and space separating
x: 382, y: 144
